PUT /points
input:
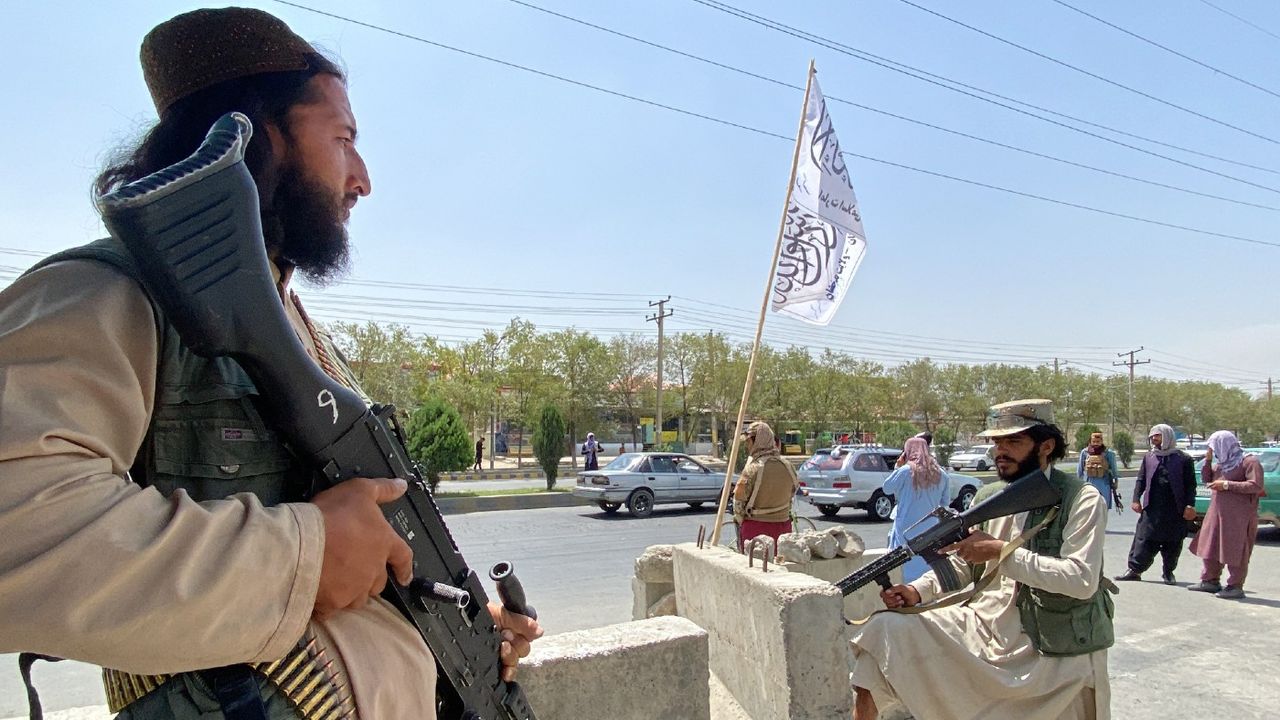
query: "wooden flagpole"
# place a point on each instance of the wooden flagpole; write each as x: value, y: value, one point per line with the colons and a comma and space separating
x: 764, y: 307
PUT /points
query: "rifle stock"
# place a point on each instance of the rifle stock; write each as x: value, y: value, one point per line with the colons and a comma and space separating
x: 195, y: 233
x: 1026, y: 493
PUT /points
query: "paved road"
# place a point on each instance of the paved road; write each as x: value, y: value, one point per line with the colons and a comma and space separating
x: 1178, y: 654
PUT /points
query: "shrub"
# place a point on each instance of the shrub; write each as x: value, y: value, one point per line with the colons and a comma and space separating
x: 1123, y: 445
x: 437, y: 440
x: 548, y: 443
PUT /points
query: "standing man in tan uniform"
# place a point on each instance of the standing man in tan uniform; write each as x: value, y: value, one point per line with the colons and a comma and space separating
x: 153, y: 523
x: 763, y: 494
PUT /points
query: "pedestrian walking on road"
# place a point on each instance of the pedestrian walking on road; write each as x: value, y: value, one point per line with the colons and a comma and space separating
x: 591, y: 452
x: 1165, y: 496
x: 1231, y: 523
x: 919, y: 487
x: 479, y: 454
x: 1098, y: 467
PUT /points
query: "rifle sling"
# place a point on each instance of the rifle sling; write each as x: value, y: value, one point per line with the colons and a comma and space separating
x: 982, y: 584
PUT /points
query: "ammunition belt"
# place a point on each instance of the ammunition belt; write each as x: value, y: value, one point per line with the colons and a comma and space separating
x: 302, y: 676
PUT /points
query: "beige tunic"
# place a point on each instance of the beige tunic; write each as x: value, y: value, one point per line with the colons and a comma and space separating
x: 95, y: 568
x: 974, y: 661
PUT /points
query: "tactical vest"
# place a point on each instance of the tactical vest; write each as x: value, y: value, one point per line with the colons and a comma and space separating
x: 206, y: 435
x: 1095, y: 466
x: 1059, y: 624
x: 208, y: 438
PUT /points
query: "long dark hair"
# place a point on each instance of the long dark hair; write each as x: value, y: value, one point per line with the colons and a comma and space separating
x: 1040, y: 433
x: 263, y: 98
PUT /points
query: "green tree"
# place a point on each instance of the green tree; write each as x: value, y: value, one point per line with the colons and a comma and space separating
x: 944, y: 443
x: 387, y: 361
x: 1083, y: 432
x: 894, y: 433
x: 548, y: 443
x: 1123, y: 443
x: 437, y: 440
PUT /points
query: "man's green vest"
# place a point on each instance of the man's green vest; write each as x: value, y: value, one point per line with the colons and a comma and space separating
x: 206, y: 435
x: 1058, y: 624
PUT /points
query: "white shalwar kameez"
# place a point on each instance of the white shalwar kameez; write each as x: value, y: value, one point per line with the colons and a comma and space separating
x: 973, y: 660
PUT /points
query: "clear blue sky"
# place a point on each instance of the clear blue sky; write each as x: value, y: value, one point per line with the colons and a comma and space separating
x: 486, y: 176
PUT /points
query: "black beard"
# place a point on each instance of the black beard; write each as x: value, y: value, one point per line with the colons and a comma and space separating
x: 305, y: 227
x: 1028, y: 465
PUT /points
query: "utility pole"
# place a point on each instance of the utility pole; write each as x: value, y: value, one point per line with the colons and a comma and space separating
x: 1268, y: 389
x: 1131, y: 363
x: 1055, y: 367
x: 659, y: 316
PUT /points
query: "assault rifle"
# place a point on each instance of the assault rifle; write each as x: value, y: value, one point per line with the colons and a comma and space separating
x: 1028, y: 492
x: 195, y: 232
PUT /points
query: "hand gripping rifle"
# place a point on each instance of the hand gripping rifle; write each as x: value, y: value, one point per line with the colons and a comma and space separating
x: 1026, y: 493
x: 194, y: 230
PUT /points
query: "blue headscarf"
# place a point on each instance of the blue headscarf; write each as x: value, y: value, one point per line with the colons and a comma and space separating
x: 1227, y: 452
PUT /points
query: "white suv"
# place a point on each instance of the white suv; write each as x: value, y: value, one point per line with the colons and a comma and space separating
x: 852, y: 476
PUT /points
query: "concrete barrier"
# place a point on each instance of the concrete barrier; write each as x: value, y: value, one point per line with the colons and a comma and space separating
x: 631, y: 671
x: 775, y: 639
x: 457, y: 505
x: 861, y: 603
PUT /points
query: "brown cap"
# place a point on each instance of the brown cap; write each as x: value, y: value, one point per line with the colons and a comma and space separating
x: 201, y: 48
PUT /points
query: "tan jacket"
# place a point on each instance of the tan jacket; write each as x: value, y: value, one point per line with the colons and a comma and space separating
x: 777, y: 485
x: 95, y: 568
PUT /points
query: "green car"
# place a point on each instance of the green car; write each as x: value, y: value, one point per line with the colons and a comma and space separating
x: 1269, y: 507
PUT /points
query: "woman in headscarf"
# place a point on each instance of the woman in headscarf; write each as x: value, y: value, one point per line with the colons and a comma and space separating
x: 1165, y: 497
x: 591, y: 452
x: 762, y: 497
x: 1231, y: 524
x: 919, y: 487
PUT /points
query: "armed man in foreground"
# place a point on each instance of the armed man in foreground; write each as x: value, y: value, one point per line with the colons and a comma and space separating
x: 1030, y: 644
x: 153, y: 522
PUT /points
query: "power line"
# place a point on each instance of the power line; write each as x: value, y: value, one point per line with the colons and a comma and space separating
x: 1093, y: 75
x: 790, y: 139
x: 886, y: 113
x: 1167, y: 49
x: 1253, y: 25
x: 978, y: 93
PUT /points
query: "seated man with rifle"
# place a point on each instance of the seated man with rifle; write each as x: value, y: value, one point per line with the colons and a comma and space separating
x: 1029, y: 639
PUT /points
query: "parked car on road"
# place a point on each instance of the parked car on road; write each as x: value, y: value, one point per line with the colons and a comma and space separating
x: 642, y: 480
x: 1197, y: 450
x: 979, y: 457
x: 852, y: 476
x: 1268, y: 506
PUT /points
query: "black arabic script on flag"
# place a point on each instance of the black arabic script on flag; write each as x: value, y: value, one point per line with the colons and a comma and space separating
x: 808, y: 243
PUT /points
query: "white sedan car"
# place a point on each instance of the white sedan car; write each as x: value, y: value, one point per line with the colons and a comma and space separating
x: 978, y: 457
x: 642, y: 480
x: 852, y: 476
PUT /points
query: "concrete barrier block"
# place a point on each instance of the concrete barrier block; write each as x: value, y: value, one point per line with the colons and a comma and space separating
x: 776, y: 639
x: 861, y: 603
x: 654, y: 564
x: 639, y: 670
x: 645, y: 594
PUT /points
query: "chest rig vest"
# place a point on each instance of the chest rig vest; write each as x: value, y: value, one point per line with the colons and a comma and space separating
x: 1059, y: 624
x: 208, y: 438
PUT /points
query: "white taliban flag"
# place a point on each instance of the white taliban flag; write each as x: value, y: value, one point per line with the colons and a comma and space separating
x: 822, y: 242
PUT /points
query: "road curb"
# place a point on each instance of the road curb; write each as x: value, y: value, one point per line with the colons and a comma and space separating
x: 460, y: 505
